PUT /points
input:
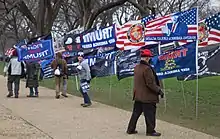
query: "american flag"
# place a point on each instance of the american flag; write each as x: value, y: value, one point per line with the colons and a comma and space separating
x: 154, y: 27
x: 10, y: 51
x: 123, y: 41
x: 213, y: 24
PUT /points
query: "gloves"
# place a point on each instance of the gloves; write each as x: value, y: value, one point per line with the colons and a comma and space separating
x: 161, y: 94
x: 79, y: 67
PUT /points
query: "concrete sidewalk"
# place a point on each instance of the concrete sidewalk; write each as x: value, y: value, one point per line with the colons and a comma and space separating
x: 66, y: 119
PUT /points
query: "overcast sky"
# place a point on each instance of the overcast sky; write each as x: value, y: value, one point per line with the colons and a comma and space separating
x: 215, y: 3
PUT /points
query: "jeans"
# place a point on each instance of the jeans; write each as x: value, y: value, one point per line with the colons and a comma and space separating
x: 16, y: 80
x: 85, y: 94
x: 33, y: 90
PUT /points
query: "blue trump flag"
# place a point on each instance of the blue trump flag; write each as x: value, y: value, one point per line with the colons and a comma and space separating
x: 177, y: 62
x: 176, y: 26
x: 104, y: 37
x: 37, y: 51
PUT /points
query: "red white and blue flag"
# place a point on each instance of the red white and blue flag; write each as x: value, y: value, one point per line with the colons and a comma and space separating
x: 173, y: 27
x: 131, y: 34
x: 209, y: 31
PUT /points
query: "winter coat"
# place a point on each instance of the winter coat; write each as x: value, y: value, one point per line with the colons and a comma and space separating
x: 146, y: 84
x: 32, y: 74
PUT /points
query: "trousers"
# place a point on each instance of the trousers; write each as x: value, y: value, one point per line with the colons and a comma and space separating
x: 16, y: 80
x: 149, y: 110
x: 85, y: 94
x: 61, y: 85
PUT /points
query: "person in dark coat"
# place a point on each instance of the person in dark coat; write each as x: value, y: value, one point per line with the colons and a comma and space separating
x: 146, y: 94
x: 32, y: 78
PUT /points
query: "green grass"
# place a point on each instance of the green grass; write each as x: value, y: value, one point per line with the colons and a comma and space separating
x: 110, y: 91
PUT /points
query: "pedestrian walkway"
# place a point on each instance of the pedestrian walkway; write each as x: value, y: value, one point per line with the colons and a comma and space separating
x: 66, y: 119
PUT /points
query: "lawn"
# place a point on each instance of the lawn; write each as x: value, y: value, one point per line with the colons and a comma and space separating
x: 179, y: 111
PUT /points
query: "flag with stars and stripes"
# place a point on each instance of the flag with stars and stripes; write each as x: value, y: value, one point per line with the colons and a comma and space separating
x: 173, y: 27
x: 131, y: 34
x: 209, y: 31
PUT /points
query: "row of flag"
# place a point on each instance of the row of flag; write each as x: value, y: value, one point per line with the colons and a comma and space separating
x: 180, y: 27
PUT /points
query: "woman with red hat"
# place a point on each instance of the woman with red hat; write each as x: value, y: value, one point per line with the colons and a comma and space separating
x: 146, y: 95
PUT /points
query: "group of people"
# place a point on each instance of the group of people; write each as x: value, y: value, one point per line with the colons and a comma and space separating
x: 17, y: 70
x: 146, y: 85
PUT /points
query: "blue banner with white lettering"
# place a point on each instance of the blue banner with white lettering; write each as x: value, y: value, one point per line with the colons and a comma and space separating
x: 37, y: 51
x: 104, y: 37
x: 102, y: 65
x: 177, y: 62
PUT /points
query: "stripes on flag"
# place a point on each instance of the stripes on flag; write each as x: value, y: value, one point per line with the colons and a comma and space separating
x: 154, y: 27
x: 123, y: 41
x: 9, y: 52
x: 211, y: 26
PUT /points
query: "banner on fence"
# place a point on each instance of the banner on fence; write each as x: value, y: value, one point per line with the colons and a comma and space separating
x: 177, y: 62
x: 126, y: 62
x: 102, y: 65
x: 103, y: 37
x: 207, y: 66
x: 37, y: 51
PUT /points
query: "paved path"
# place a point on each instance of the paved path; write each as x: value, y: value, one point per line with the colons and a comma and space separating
x: 65, y: 119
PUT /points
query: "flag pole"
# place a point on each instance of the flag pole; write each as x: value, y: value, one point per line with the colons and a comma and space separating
x: 110, y: 89
x: 197, y: 76
x: 163, y: 84
x: 183, y: 91
x: 77, y: 87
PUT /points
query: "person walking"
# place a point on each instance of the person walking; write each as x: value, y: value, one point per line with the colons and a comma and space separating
x: 59, y: 66
x: 85, y: 78
x: 15, y: 70
x: 32, y: 78
x: 146, y: 95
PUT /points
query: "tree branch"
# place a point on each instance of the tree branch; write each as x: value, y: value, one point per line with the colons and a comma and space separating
x: 102, y: 9
x: 22, y: 7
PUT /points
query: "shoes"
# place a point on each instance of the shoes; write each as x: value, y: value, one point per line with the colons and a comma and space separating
x: 64, y: 95
x: 132, y: 132
x: 30, y: 95
x: 86, y: 104
x: 16, y: 96
x: 9, y: 95
x: 58, y: 96
x: 156, y: 134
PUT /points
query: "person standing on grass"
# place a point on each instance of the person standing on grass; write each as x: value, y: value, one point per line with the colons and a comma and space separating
x: 15, y: 70
x: 32, y: 78
x: 59, y: 66
x: 146, y: 95
x: 85, y: 78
